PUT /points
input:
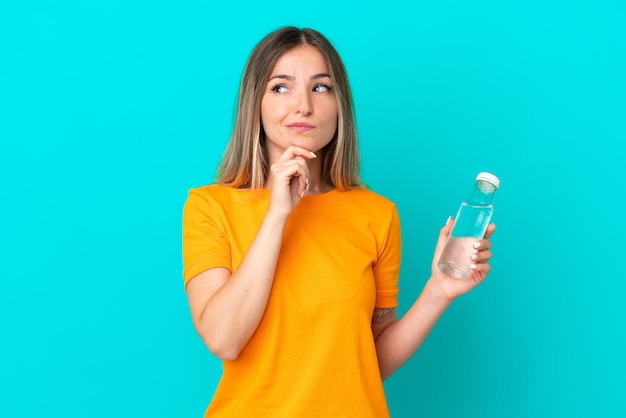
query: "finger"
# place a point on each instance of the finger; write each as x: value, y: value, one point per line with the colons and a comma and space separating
x: 490, y: 230
x: 293, y: 152
x: 294, y: 175
x: 303, y: 182
x: 481, y: 256
x: 285, y: 171
x: 482, y: 244
x: 479, y: 272
x: 444, y: 233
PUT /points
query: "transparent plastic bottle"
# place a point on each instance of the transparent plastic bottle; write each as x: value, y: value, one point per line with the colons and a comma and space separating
x: 470, y: 224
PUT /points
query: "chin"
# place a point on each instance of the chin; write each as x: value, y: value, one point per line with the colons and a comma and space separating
x: 303, y: 144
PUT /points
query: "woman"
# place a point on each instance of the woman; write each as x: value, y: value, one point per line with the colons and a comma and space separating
x: 290, y: 266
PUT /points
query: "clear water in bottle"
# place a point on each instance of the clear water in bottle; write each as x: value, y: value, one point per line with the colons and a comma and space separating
x: 470, y: 224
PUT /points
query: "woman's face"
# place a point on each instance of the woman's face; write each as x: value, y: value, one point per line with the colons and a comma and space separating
x: 299, y: 105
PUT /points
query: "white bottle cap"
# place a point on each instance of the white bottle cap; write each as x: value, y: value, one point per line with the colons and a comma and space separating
x: 489, y: 178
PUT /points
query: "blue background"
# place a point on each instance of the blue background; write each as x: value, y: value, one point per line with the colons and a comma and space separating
x: 111, y: 110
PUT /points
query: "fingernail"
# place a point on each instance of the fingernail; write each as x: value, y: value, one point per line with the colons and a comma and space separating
x: 477, y: 244
x: 494, y: 226
x: 448, y: 220
x: 474, y: 257
x: 313, y: 154
x: 302, y: 194
x: 473, y: 266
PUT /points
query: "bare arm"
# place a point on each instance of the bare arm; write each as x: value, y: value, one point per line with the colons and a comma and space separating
x: 397, y: 341
x: 226, y: 309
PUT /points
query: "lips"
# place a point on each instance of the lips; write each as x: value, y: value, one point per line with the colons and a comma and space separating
x: 300, y: 127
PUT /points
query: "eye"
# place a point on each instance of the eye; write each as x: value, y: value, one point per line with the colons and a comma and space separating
x: 279, y: 88
x: 322, y: 88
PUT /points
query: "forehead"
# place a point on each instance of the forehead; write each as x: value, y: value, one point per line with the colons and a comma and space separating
x: 301, y: 59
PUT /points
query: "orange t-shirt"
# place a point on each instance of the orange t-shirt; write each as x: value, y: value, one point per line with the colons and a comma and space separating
x: 313, y: 353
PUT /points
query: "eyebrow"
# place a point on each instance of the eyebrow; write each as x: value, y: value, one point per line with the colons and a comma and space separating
x: 291, y: 78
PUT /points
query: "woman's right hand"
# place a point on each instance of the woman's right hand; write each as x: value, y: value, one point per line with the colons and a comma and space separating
x: 226, y: 307
x: 288, y: 180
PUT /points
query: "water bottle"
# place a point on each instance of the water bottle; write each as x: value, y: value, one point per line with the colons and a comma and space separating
x: 470, y: 224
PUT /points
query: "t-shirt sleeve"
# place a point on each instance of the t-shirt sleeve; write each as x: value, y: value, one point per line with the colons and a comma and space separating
x: 387, y: 267
x: 205, y: 244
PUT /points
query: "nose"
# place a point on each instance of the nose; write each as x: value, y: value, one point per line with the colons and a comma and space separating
x: 304, y: 103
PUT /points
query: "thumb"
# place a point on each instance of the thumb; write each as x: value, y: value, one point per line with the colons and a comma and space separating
x: 444, y: 233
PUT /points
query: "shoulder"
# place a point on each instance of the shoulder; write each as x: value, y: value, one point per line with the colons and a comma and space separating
x: 224, y: 197
x: 378, y: 212
x: 210, y: 191
x: 218, y: 192
x: 200, y: 196
x: 367, y: 206
x: 364, y: 196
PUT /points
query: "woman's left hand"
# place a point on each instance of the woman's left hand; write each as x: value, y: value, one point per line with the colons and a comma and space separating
x: 453, y: 288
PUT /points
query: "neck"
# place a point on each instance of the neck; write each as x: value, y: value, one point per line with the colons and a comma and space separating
x: 317, y: 185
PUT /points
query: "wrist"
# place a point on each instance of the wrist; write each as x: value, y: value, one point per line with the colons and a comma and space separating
x: 275, y: 218
x: 436, y: 295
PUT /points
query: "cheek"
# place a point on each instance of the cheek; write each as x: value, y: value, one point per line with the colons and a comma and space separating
x: 269, y: 111
x: 333, y: 109
x: 332, y: 117
x: 264, y: 115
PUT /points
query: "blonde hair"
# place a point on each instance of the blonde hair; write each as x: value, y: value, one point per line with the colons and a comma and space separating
x: 244, y: 164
